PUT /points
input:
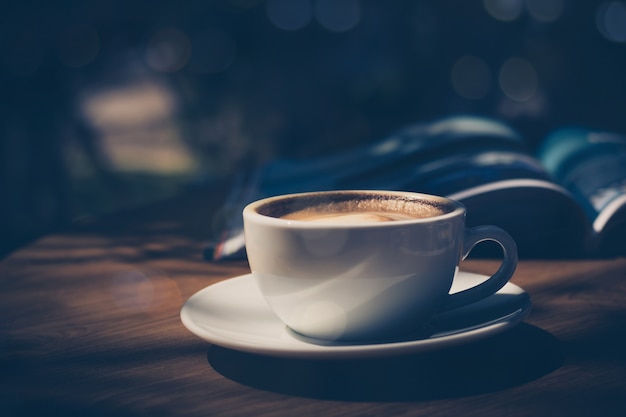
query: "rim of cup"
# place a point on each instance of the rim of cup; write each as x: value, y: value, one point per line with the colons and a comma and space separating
x: 251, y: 210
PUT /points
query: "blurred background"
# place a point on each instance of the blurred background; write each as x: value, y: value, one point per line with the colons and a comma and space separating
x: 108, y: 104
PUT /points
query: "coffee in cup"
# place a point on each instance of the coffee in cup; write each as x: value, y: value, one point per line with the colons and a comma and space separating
x: 347, y: 208
x: 364, y: 265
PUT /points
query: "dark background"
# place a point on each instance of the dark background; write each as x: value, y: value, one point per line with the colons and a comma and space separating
x: 106, y: 104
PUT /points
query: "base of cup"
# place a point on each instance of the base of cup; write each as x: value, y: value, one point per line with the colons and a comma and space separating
x: 425, y: 331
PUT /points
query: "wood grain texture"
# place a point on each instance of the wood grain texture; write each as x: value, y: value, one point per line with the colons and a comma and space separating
x: 89, y: 325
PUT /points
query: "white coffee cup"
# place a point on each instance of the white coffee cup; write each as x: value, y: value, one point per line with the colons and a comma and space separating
x: 330, y: 270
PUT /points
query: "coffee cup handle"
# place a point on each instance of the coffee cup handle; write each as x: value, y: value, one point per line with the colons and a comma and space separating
x: 474, y: 236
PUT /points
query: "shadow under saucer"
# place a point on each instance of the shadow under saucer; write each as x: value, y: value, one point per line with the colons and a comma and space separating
x: 515, y: 357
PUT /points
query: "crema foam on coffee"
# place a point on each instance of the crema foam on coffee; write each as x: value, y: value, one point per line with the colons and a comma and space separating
x: 349, y: 217
x: 353, y: 208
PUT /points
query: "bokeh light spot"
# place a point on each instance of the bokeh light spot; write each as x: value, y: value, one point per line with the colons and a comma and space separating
x: 518, y: 79
x: 611, y: 20
x: 504, y: 10
x: 132, y: 290
x: 168, y: 50
x: 289, y: 14
x: 545, y: 10
x: 144, y: 291
x: 338, y: 15
x: 471, y: 77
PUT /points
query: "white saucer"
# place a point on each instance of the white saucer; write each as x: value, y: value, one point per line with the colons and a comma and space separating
x: 233, y: 314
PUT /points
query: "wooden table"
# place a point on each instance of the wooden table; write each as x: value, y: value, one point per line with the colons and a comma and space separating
x: 90, y: 326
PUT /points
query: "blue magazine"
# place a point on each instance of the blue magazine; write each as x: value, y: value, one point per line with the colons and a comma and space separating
x: 568, y: 200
